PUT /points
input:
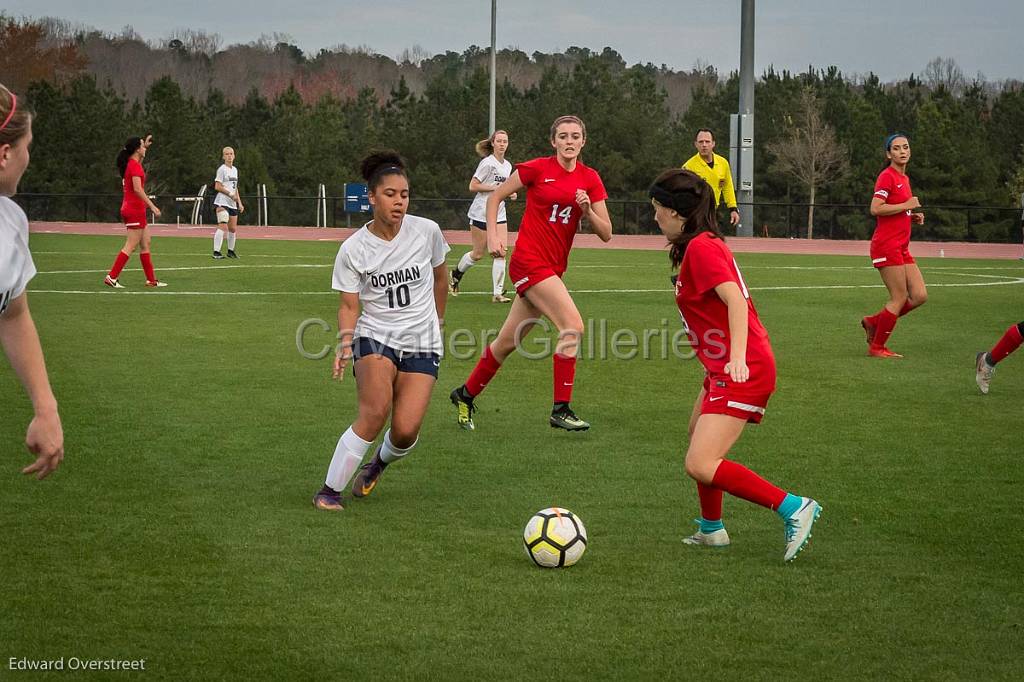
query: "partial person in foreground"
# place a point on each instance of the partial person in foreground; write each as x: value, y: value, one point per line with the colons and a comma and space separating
x: 18, y: 336
x: 893, y: 206
x: 227, y: 204
x: 133, y: 212
x: 560, y: 192
x: 986, y: 361
x: 733, y: 346
x: 394, y: 269
x: 492, y: 170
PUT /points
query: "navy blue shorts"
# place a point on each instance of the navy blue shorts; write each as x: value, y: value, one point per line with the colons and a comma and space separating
x: 419, y: 363
x: 231, y: 211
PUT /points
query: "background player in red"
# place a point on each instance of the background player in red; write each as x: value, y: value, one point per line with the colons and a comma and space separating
x: 985, y: 363
x: 18, y: 336
x: 739, y: 365
x: 893, y: 204
x: 133, y: 212
x: 560, y: 191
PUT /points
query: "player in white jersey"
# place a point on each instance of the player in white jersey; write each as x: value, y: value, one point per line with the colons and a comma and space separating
x: 227, y: 204
x: 394, y: 269
x: 492, y: 170
x: 18, y: 336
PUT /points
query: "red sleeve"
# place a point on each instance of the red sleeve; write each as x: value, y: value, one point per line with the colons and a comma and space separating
x: 134, y: 169
x: 709, y: 264
x: 529, y: 170
x: 596, y: 191
x: 883, y: 186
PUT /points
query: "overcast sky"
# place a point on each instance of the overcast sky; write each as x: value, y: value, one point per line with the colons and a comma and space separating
x: 892, y: 38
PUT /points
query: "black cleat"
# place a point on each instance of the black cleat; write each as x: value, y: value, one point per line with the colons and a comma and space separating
x: 232, y: 254
x: 217, y: 255
x: 464, y: 404
x: 564, y: 418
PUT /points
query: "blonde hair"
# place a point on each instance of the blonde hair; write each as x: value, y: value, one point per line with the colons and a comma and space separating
x: 21, y: 120
x: 226, y: 150
x: 485, y: 146
x: 568, y: 119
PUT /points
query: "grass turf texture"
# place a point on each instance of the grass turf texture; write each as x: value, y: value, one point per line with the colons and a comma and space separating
x: 180, y: 529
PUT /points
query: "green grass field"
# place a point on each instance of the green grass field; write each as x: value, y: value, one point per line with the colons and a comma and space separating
x: 179, y: 529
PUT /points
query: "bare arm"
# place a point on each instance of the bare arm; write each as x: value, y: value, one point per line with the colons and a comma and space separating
x: 141, y: 194
x: 441, y: 292
x: 600, y: 221
x: 45, y: 435
x: 880, y: 208
x: 733, y: 298
x: 498, y: 195
x: 348, y: 314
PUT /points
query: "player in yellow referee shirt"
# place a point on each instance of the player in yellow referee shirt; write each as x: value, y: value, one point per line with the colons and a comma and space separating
x: 715, y: 171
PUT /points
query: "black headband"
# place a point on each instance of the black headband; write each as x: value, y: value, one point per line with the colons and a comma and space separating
x: 669, y: 200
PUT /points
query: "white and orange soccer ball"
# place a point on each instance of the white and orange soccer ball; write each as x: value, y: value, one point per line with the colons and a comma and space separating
x: 555, y: 537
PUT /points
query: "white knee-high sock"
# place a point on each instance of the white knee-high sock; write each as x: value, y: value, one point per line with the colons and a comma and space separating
x: 347, y: 456
x: 218, y: 239
x: 466, y: 262
x: 498, y: 275
x: 231, y: 241
x: 389, y: 453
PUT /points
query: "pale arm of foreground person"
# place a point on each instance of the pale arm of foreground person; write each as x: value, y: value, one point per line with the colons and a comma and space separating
x: 45, y: 436
x: 739, y: 321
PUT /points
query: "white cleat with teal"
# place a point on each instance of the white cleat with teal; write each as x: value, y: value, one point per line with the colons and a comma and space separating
x: 716, y: 538
x: 798, y: 527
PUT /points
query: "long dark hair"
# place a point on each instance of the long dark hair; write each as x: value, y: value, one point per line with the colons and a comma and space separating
x: 692, y: 198
x: 378, y: 164
x: 130, y: 147
x: 15, y: 113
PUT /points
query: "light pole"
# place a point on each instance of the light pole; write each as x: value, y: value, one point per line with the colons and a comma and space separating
x: 494, y: 62
x: 741, y: 141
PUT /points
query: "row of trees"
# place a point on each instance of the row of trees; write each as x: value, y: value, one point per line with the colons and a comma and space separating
x: 818, y: 134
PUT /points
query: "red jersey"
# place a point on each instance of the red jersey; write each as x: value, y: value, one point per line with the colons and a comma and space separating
x: 709, y: 262
x: 131, y: 203
x: 552, y: 216
x: 894, y: 188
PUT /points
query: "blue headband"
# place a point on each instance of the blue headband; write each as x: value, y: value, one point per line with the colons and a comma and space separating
x: 889, y: 140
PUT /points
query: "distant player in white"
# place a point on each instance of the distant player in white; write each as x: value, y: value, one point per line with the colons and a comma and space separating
x: 492, y: 170
x: 18, y: 336
x: 394, y: 268
x: 227, y: 204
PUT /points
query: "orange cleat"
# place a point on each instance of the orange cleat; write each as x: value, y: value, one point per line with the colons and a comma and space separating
x: 882, y: 352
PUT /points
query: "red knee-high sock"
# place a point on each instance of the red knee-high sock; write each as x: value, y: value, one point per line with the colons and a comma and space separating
x: 710, y: 502
x: 565, y: 375
x: 886, y: 323
x: 486, y: 367
x: 147, y: 266
x: 1010, y: 342
x: 119, y: 263
x: 907, y: 308
x: 741, y: 482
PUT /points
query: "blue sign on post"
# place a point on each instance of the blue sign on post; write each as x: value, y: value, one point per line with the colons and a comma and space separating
x: 356, y: 198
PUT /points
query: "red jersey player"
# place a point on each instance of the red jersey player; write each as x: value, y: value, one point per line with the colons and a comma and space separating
x: 985, y: 362
x: 560, y: 192
x: 893, y: 204
x: 733, y: 346
x: 133, y: 212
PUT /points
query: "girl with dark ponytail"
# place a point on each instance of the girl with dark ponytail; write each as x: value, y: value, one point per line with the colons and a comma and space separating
x: 133, y: 212
x: 393, y: 282
x: 732, y: 345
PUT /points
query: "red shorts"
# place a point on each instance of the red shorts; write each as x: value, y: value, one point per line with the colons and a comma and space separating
x: 743, y: 401
x: 525, y: 273
x: 884, y: 255
x: 134, y: 220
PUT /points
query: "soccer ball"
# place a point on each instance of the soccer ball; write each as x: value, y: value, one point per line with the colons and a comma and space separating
x: 555, y: 537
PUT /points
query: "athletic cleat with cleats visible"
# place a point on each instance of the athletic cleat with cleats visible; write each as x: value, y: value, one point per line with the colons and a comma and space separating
x: 368, y: 475
x: 882, y: 352
x: 453, y: 283
x: 465, y: 409
x: 217, y: 255
x: 717, y: 538
x: 326, y: 502
x: 112, y: 283
x: 983, y: 372
x: 500, y: 298
x: 798, y: 527
x: 232, y: 254
x: 565, y: 418
x: 156, y: 283
x: 869, y: 329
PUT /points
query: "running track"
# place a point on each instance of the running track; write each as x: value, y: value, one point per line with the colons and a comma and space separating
x: 825, y: 247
